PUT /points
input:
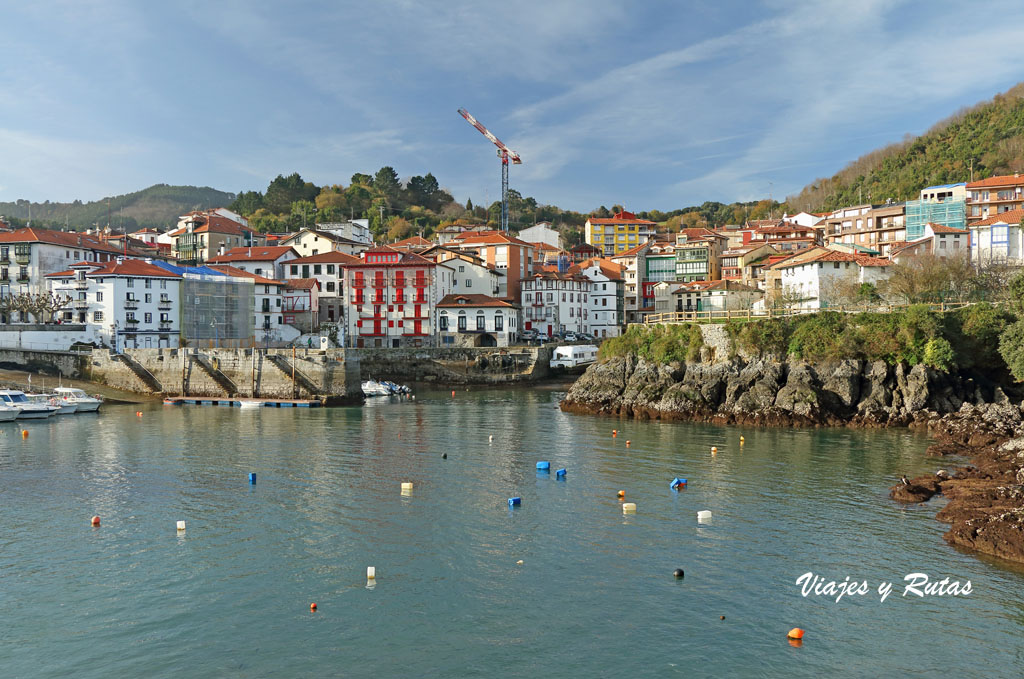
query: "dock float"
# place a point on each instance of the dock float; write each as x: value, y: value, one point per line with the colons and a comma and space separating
x: 237, y: 403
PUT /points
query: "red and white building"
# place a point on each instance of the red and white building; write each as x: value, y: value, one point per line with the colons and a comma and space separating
x: 392, y: 299
x: 266, y: 260
x: 328, y: 268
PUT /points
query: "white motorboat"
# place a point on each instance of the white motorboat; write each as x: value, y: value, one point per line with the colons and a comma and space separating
x: 250, y: 405
x: 83, y: 402
x: 8, y: 412
x: 374, y: 388
x: 63, y: 408
x: 27, y: 410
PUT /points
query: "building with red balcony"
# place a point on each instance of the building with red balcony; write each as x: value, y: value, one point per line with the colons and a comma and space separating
x: 392, y: 299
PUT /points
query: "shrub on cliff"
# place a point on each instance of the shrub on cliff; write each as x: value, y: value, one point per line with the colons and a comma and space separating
x: 974, y: 334
x: 658, y: 343
x: 938, y: 354
x: 1011, y: 348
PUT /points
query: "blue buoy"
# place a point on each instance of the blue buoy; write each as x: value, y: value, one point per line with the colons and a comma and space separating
x: 560, y: 472
x: 543, y: 466
x: 252, y: 478
x: 678, y: 483
x: 515, y: 501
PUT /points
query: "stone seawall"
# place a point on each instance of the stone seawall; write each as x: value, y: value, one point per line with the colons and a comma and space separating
x: 456, y: 365
x: 64, y: 363
x: 244, y: 372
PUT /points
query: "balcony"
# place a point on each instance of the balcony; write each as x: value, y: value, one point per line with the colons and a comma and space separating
x: 131, y: 304
x: 81, y: 304
x: 131, y: 322
x: 22, y: 257
x: 22, y: 279
x: 165, y: 326
x: 82, y: 284
x: 164, y: 305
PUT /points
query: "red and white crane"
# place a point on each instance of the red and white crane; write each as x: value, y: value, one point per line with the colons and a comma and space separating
x: 506, y: 154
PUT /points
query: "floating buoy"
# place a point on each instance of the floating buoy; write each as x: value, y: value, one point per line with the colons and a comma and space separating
x: 795, y: 633
x: 615, y: 432
x: 629, y: 508
x: 181, y: 525
x: 703, y: 516
x: 519, y: 563
x: 453, y: 393
x: 678, y: 483
x: 560, y: 472
x: 252, y: 478
x: 371, y: 572
x: 95, y: 520
x: 515, y: 501
x: 543, y: 466
x: 490, y: 439
x: 714, y: 450
x: 406, y: 485
x: 138, y: 413
x: 444, y: 456
x: 312, y: 607
x: 742, y: 440
x: 721, y: 617
x: 678, y: 572
x: 622, y: 493
x: 24, y: 433
x: 627, y: 443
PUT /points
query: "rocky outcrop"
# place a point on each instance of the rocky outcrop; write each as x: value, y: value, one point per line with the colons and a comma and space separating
x: 764, y: 391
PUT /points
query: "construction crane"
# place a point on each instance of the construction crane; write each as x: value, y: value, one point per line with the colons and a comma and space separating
x: 506, y: 154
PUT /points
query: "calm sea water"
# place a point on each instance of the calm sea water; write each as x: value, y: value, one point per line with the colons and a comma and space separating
x: 594, y: 596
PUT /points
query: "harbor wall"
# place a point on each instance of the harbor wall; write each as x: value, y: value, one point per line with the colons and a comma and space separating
x: 456, y: 365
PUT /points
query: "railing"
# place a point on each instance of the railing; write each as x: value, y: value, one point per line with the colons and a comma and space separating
x: 751, y: 314
x: 164, y: 325
x: 164, y: 305
x: 132, y: 321
x: 80, y: 284
x: 81, y: 304
x: 131, y: 304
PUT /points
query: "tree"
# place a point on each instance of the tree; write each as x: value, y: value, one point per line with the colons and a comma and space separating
x: 247, y: 203
x: 692, y: 220
x: 305, y: 212
x: 398, y: 228
x: 361, y: 179
x: 386, y: 182
x: 283, y: 191
x: 1011, y: 348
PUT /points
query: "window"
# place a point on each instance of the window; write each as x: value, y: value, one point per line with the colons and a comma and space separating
x: 163, y: 285
x: 330, y: 286
x: 130, y: 283
x: 165, y: 318
x: 942, y: 244
x: 316, y: 269
x: 149, y: 317
x: 462, y: 321
x: 330, y: 268
x: 149, y: 298
x: 499, y: 322
x: 99, y: 296
x: 295, y: 269
x: 469, y: 283
x: 481, y: 321
x: 551, y: 297
x: 462, y: 269
x: 443, y: 321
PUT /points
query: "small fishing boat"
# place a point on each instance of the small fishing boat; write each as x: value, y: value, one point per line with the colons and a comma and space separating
x: 27, y: 410
x: 8, y: 412
x: 374, y: 388
x: 250, y: 405
x: 84, y: 402
x: 63, y: 407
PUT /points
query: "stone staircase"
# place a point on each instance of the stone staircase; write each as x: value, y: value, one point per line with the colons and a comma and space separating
x: 140, y: 371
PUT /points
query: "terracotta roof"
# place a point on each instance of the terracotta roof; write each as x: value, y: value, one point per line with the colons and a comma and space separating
x: 894, y: 251
x: 471, y: 232
x: 1000, y: 180
x: 700, y: 232
x: 942, y: 228
x: 322, y: 234
x: 836, y: 256
x: 215, y: 224
x: 412, y: 241
x: 333, y: 257
x: 495, y: 238
x: 124, y: 267
x: 69, y: 239
x: 302, y: 283
x: 263, y: 253
x: 619, y: 218
x: 405, y: 258
x: 611, y: 270
x: 631, y: 251
x: 474, y: 301
x: 1008, y: 217
x: 239, y: 273
x: 584, y: 247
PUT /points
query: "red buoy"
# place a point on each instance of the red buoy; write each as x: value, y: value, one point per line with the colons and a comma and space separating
x: 312, y: 607
x: 95, y: 520
x: 796, y: 633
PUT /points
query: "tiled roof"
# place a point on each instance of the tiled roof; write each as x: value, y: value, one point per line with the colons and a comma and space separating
x: 239, y: 273
x: 621, y: 218
x: 632, y: 251
x: 413, y: 242
x: 474, y: 301
x: 333, y: 257
x: 942, y: 228
x: 836, y: 256
x: 69, y: 239
x: 264, y: 253
x: 302, y: 283
x: 405, y: 258
x: 124, y: 267
x: 611, y: 270
x: 1008, y: 217
x: 495, y: 238
x: 215, y: 224
x: 333, y: 237
x: 1000, y: 180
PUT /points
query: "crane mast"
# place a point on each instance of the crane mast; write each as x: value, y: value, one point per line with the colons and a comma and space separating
x: 506, y: 155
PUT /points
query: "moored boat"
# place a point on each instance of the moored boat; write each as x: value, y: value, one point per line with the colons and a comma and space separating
x: 82, y: 401
x: 374, y: 388
x: 27, y: 410
x: 63, y: 407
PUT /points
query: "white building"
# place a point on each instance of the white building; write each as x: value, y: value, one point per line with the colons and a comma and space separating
x: 470, y: 274
x: 817, y: 281
x: 606, y: 298
x: 328, y: 269
x: 998, y: 239
x: 28, y: 255
x: 127, y: 303
x: 554, y: 303
x: 477, y: 321
x: 357, y: 230
x: 309, y: 242
x: 804, y: 219
x: 542, y: 233
x: 264, y: 260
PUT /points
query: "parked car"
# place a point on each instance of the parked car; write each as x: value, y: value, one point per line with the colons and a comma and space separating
x: 570, y: 337
x: 585, y: 337
x: 528, y: 335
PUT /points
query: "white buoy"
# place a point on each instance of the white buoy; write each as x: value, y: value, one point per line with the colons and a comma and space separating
x: 407, y: 486
x: 371, y: 573
x: 181, y: 525
x: 490, y: 439
x: 629, y: 508
x: 703, y: 516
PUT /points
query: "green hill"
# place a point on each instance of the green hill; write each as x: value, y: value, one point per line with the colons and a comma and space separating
x: 157, y: 206
x: 988, y: 138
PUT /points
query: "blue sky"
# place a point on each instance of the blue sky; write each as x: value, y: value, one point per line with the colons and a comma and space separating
x: 654, y: 105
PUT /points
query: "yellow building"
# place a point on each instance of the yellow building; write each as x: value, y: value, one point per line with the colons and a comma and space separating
x: 613, y: 235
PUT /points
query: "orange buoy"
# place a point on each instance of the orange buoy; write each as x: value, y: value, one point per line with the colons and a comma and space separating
x: 622, y: 493
x: 615, y: 432
x: 795, y: 633
x: 138, y: 413
x: 627, y: 443
x: 714, y: 450
x: 312, y: 608
x: 453, y: 393
x: 95, y: 520
x: 796, y: 643
x: 24, y: 433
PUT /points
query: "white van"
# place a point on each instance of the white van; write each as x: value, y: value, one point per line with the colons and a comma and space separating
x: 572, y: 356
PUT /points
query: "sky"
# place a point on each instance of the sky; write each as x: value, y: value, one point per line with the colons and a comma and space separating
x: 647, y: 104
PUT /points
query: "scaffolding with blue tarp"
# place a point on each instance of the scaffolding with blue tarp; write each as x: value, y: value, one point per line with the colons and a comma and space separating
x: 951, y: 213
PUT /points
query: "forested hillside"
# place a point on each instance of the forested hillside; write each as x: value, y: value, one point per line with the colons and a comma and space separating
x: 988, y: 138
